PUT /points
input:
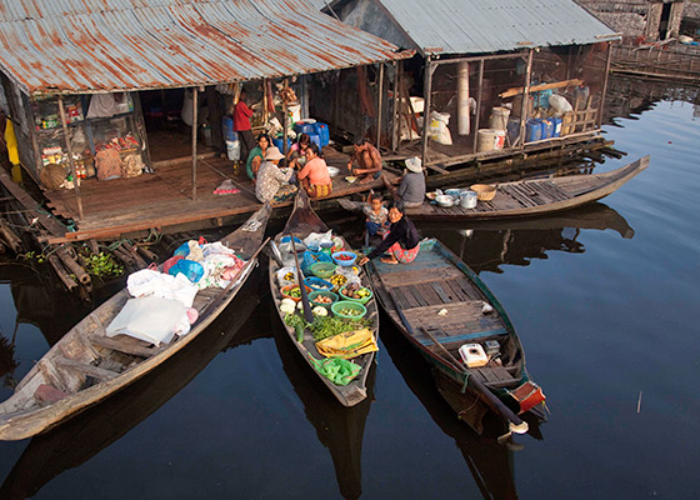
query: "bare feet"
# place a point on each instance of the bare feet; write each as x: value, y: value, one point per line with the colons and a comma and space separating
x: 389, y: 260
x: 366, y: 179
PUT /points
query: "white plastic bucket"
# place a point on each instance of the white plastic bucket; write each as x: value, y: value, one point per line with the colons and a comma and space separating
x: 233, y: 150
x: 499, y: 118
x: 468, y: 199
x: 486, y: 140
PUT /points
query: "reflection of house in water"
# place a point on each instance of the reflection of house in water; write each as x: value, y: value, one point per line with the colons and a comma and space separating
x: 627, y: 96
x: 489, y: 245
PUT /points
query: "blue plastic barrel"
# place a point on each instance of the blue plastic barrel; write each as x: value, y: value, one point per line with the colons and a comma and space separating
x: 533, y: 130
x: 557, y: 126
x: 227, y: 129
x: 316, y: 139
x: 323, y: 133
x: 302, y: 127
x: 279, y: 143
x: 547, y: 128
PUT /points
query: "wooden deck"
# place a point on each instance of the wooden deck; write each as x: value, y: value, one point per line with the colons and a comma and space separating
x: 122, y: 206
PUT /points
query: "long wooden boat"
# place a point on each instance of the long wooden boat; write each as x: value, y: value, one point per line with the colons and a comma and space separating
x: 439, y: 304
x: 301, y: 223
x: 534, y: 197
x: 86, y: 366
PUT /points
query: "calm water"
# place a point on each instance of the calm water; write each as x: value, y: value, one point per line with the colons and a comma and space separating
x: 604, y: 300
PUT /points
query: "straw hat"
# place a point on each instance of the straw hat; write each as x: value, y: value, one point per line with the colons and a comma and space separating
x: 273, y: 153
x: 414, y: 165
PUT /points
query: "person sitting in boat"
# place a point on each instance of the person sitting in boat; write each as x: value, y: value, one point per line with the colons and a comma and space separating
x: 368, y: 159
x: 401, y: 243
x: 314, y: 177
x: 273, y: 183
x: 411, y: 190
x: 300, y: 146
x: 256, y: 156
x: 377, y: 222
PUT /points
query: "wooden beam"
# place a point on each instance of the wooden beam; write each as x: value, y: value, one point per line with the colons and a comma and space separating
x: 71, y: 161
x: 426, y: 109
x: 543, y: 86
x: 195, y: 106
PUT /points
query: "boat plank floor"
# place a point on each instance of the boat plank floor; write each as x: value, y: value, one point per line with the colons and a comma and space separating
x: 93, y: 371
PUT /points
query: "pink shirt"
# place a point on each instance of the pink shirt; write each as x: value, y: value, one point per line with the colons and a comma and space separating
x: 317, y: 172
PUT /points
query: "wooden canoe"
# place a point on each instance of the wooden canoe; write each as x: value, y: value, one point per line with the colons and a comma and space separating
x: 86, y: 366
x: 438, y: 297
x: 534, y: 197
x: 301, y: 223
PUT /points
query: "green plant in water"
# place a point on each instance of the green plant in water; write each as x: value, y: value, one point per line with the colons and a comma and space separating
x: 103, y: 265
x: 40, y: 258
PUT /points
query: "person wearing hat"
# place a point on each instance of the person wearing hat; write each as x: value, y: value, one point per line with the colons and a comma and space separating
x: 411, y: 190
x: 272, y: 182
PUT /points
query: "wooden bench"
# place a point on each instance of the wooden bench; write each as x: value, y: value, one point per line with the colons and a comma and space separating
x: 494, y: 376
x: 93, y: 371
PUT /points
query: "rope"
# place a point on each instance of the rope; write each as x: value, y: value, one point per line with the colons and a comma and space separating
x: 466, y: 382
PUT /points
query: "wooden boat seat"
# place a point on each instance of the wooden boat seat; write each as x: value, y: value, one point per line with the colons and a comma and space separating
x: 494, y: 376
x: 93, y: 371
x: 130, y: 346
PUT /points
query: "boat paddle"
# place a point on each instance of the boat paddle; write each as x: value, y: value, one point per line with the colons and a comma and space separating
x: 308, y: 315
x: 516, y: 424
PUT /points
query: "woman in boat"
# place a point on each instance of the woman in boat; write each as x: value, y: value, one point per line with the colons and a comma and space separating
x: 256, y: 156
x: 273, y: 183
x: 314, y: 177
x: 401, y: 243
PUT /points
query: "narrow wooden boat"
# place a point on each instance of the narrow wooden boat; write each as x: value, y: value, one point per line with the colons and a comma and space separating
x: 529, y: 198
x: 301, y: 223
x: 86, y: 366
x: 440, y: 305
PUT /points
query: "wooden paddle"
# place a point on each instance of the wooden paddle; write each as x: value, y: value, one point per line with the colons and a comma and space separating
x: 308, y: 315
x: 517, y: 424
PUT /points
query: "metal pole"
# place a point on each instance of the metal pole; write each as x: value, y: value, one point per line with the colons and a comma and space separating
x: 526, y: 98
x: 71, y: 161
x: 605, y: 85
x: 195, y: 110
x: 426, y: 111
x: 380, y: 102
x: 478, y: 104
x: 395, y: 115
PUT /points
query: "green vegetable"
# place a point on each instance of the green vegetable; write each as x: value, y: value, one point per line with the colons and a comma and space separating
x: 299, y: 329
x: 328, y: 326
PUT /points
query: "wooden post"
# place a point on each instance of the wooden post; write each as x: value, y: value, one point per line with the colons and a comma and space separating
x: 429, y: 68
x: 380, y: 102
x: 141, y: 128
x: 526, y: 98
x: 395, y: 115
x: 601, y: 108
x: 478, y: 104
x: 71, y: 161
x: 195, y: 109
x: 285, y: 120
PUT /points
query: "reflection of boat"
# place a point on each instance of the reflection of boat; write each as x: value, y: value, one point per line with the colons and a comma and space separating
x: 86, y: 365
x: 534, y: 197
x: 489, y: 462
x: 446, y: 312
x: 301, y: 223
x: 78, y: 440
x: 339, y: 429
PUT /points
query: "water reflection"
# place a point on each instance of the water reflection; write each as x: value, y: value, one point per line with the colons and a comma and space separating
x: 487, y: 245
x: 78, y: 440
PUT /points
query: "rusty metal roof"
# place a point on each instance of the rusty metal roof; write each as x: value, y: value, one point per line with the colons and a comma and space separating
x: 86, y: 46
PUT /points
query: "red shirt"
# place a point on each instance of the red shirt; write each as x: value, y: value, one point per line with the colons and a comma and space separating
x: 241, y: 117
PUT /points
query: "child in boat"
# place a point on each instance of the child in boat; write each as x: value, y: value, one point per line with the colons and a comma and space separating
x: 377, y: 215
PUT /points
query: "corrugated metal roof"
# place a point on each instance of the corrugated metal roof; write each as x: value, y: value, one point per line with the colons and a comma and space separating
x: 82, y: 46
x: 485, y: 26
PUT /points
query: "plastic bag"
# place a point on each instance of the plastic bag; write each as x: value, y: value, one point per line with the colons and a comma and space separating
x: 151, y: 319
x: 559, y: 104
x: 171, y: 262
x: 314, y: 240
x: 311, y: 258
x: 282, y: 272
x: 192, y: 270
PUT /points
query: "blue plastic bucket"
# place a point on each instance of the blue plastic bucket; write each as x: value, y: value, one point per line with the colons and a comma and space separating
x: 533, y: 130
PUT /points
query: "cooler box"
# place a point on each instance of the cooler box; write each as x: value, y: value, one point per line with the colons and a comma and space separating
x: 323, y: 133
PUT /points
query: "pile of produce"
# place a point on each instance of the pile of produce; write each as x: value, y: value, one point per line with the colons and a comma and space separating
x: 355, y: 291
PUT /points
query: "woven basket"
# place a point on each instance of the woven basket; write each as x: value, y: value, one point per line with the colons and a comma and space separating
x: 484, y: 192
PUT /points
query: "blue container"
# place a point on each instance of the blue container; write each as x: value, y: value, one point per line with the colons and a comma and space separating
x: 547, y: 128
x: 533, y: 130
x: 513, y: 129
x: 316, y: 139
x: 279, y: 143
x: 323, y: 133
x: 557, y: 126
x: 542, y: 98
x: 302, y: 127
x: 227, y: 129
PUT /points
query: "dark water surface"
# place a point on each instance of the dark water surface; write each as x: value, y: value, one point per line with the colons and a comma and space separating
x: 604, y: 299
